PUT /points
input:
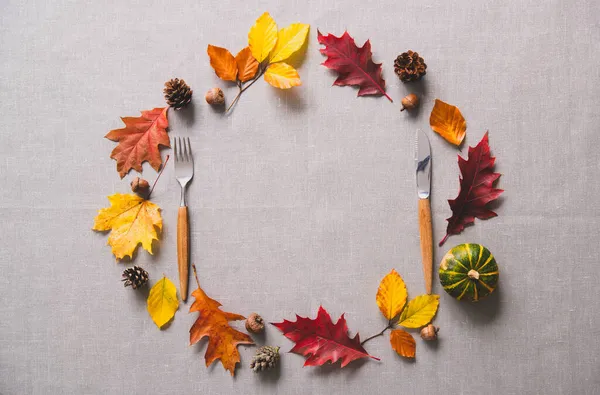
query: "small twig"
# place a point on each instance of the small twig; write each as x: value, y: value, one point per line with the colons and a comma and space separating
x: 196, y: 275
x: 157, y: 178
x: 390, y: 326
x: 248, y: 85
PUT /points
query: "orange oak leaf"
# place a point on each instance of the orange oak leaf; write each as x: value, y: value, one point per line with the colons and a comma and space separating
x: 246, y: 64
x: 214, y: 324
x: 223, y: 62
x: 448, y: 122
x: 403, y: 343
x: 139, y: 141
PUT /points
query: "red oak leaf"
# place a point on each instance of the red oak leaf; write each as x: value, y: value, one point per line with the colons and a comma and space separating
x: 476, y: 189
x: 353, y: 64
x: 139, y: 140
x: 321, y: 340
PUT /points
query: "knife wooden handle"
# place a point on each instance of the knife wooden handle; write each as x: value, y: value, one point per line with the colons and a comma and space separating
x: 426, y: 241
x: 183, y: 251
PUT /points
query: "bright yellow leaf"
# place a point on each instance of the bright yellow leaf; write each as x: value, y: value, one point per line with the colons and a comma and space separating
x: 289, y: 40
x: 403, y: 343
x: 262, y: 37
x: 282, y: 76
x: 132, y: 220
x: 419, y: 311
x: 162, y: 302
x: 391, y: 295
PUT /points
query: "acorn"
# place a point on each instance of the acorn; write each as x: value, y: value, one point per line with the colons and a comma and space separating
x: 255, y: 323
x: 429, y: 332
x: 140, y: 186
x: 410, y: 102
x: 215, y: 97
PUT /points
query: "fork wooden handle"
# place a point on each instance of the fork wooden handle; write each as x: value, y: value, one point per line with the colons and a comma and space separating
x: 426, y: 241
x: 183, y: 251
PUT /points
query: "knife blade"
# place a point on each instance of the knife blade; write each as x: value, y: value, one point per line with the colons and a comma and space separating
x: 423, y: 178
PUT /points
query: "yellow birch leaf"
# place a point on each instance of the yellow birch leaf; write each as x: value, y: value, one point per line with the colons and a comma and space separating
x: 162, y: 302
x: 132, y: 220
x: 262, y: 37
x: 403, y: 343
x: 282, y: 76
x: 289, y: 40
x: 223, y: 62
x: 448, y: 122
x: 419, y: 311
x: 391, y: 295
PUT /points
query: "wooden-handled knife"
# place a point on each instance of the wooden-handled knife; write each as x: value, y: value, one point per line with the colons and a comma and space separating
x: 423, y: 175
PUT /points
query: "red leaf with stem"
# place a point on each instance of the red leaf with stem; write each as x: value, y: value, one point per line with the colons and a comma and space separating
x: 323, y: 341
x: 476, y: 189
x: 354, y: 64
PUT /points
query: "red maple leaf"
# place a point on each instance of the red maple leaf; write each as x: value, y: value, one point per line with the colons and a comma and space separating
x: 321, y: 340
x: 476, y: 189
x: 139, y: 140
x: 353, y: 64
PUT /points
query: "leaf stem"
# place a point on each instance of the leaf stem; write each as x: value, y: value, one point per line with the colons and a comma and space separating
x: 390, y: 326
x: 157, y: 178
x: 248, y: 85
x: 196, y: 275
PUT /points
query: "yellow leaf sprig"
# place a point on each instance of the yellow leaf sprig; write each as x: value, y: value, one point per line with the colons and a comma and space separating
x: 267, y: 49
x: 391, y: 299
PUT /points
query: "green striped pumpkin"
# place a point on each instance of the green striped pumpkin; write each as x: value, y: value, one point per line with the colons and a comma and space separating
x: 469, y: 271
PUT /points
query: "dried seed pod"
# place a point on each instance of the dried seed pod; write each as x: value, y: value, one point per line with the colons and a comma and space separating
x: 429, y: 332
x: 255, y: 323
x: 410, y: 102
x: 215, y: 97
x: 140, y: 186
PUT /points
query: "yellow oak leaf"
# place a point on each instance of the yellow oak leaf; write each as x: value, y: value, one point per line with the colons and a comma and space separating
x: 262, y: 37
x: 448, y: 122
x: 162, y: 302
x: 419, y: 311
x: 391, y: 295
x: 132, y: 220
x: 282, y: 76
x: 289, y: 40
x: 403, y: 343
x: 223, y: 62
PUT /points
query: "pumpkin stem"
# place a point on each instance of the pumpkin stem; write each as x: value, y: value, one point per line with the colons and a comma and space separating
x: 473, y: 274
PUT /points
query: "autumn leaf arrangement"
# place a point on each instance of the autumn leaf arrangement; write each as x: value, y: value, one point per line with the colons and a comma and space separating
x: 265, y: 54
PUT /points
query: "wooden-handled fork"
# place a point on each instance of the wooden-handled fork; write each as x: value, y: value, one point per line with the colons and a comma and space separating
x: 184, y: 172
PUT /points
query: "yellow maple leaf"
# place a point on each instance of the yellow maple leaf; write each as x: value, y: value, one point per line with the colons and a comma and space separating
x: 282, y: 76
x: 132, y: 220
x: 419, y: 311
x: 262, y: 37
x: 289, y: 40
x: 162, y: 302
x: 391, y: 295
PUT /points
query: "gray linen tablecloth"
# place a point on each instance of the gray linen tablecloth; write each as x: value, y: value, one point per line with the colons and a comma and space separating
x: 301, y: 198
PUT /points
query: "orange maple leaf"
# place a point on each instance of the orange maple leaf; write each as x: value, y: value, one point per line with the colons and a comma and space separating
x: 139, y: 141
x: 214, y: 323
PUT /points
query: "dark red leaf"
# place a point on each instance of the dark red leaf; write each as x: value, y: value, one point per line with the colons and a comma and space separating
x: 476, y: 189
x: 321, y: 340
x: 353, y: 64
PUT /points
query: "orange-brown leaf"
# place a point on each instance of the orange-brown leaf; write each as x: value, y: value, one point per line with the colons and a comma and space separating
x: 214, y: 324
x: 223, y: 62
x: 403, y: 343
x: 246, y: 64
x: 139, y: 141
x: 447, y: 120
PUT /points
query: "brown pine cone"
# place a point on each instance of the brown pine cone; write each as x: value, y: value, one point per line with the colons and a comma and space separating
x: 266, y: 358
x: 409, y: 66
x: 177, y: 93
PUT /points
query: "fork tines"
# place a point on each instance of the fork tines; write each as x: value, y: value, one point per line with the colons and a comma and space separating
x: 183, y: 152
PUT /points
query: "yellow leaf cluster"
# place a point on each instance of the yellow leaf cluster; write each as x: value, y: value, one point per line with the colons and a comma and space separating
x: 266, y: 43
x: 162, y: 302
x: 132, y: 220
x: 391, y: 299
